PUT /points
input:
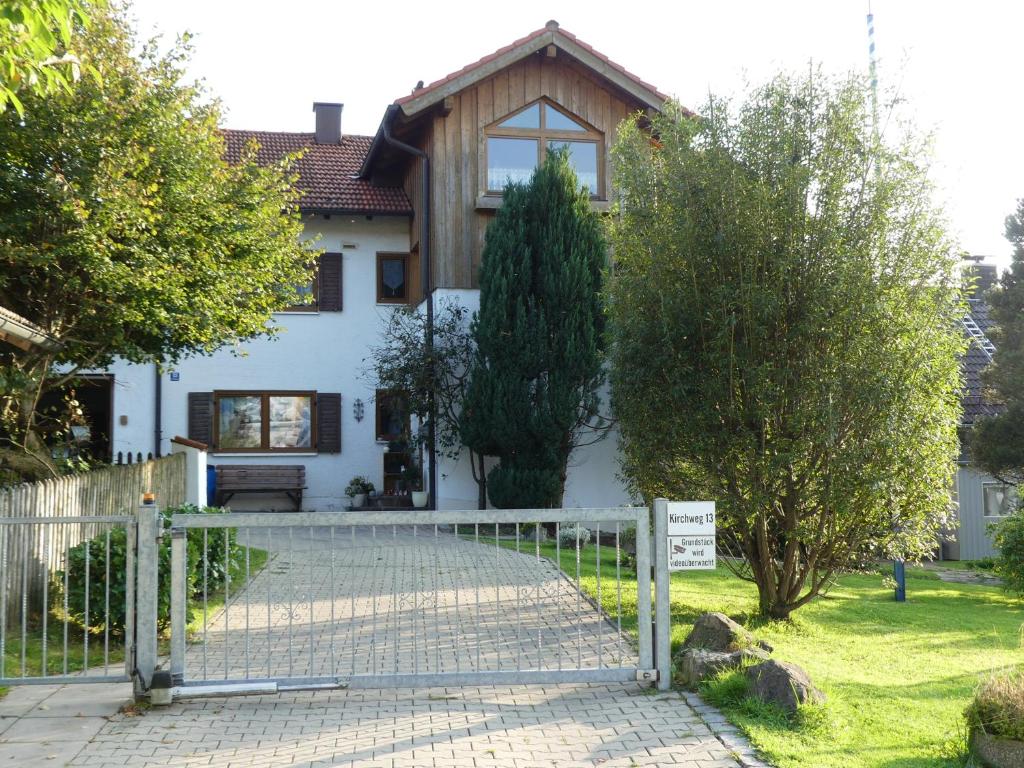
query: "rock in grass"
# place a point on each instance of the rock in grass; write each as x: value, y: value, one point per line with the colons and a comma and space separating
x: 784, y: 684
x: 697, y: 664
x: 717, y: 632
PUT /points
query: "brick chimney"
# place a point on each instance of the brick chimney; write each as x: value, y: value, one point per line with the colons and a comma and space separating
x: 328, y: 122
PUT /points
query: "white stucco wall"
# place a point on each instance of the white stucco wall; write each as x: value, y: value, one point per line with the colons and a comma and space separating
x: 322, y: 351
x: 326, y: 352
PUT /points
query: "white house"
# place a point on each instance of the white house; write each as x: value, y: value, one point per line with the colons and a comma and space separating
x: 305, y: 398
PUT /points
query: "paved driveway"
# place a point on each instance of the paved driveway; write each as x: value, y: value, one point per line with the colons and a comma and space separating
x: 401, y: 600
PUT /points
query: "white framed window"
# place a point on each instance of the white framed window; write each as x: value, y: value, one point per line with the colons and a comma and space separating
x: 999, y: 499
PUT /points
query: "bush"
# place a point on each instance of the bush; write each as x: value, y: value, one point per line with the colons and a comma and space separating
x: 982, y: 564
x: 1008, y: 536
x: 567, y: 535
x: 222, y: 553
x: 998, y: 706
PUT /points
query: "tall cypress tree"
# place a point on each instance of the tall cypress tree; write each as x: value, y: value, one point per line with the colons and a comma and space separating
x: 539, y: 336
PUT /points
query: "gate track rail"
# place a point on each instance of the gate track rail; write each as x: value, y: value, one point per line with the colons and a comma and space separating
x: 392, y: 601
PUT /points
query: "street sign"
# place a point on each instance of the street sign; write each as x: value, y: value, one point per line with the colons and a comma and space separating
x: 691, y: 536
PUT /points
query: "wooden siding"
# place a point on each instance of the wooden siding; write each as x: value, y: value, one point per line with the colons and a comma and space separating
x: 973, y: 536
x: 454, y: 142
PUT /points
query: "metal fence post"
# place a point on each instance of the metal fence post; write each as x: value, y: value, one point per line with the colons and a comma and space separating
x: 148, y: 563
x: 662, y: 607
x: 643, y: 589
x: 179, y: 544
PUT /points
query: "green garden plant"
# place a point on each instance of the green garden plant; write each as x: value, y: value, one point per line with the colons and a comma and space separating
x: 998, y: 706
x: 1008, y: 537
x: 125, y: 233
x: 779, y: 273
x: 532, y: 394
x: 222, y: 554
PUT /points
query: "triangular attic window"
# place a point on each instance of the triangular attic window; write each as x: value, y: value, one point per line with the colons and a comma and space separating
x: 557, y: 121
x: 528, y: 118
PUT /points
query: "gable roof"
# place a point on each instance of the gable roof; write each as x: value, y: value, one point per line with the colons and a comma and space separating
x: 549, y: 34
x: 327, y: 172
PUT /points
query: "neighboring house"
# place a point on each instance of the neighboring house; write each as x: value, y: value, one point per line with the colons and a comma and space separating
x: 305, y: 397
x: 982, y: 499
x: 23, y: 334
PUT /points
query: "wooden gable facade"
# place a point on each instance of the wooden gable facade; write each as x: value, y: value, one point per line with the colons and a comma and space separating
x: 452, y: 130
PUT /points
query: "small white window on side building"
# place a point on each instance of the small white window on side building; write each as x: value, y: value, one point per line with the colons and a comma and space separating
x: 999, y: 499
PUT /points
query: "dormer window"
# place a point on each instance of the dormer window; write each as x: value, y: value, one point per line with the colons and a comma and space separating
x: 518, y: 143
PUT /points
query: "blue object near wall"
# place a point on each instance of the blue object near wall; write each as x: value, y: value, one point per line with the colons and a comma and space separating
x: 211, y: 484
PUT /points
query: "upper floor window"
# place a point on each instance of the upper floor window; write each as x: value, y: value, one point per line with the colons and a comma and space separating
x: 392, y: 278
x: 518, y: 143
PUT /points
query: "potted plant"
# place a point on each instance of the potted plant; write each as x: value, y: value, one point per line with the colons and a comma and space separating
x: 358, y: 488
x: 412, y: 478
x: 996, y: 720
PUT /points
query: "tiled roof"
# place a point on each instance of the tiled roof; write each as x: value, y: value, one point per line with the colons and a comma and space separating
x: 974, y: 362
x: 524, y: 41
x: 327, y: 172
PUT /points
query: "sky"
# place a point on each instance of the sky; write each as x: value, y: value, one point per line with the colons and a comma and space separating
x: 957, y: 66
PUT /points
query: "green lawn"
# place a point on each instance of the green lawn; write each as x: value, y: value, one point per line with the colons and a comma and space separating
x: 897, y: 676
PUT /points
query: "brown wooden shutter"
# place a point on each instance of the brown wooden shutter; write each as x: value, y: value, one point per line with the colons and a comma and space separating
x: 328, y: 422
x: 200, y: 417
x: 330, y: 282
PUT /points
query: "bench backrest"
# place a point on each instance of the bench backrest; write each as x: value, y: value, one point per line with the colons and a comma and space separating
x: 277, y: 476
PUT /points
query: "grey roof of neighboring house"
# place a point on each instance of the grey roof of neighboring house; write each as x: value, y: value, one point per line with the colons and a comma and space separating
x: 975, y: 360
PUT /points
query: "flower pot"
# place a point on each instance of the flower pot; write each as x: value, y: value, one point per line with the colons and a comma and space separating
x: 997, y: 752
x: 358, y: 500
x: 419, y: 499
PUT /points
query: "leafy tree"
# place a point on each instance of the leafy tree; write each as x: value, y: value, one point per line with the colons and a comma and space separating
x: 37, y: 46
x: 123, y: 232
x: 998, y: 442
x: 532, y: 396
x: 783, y: 331
x: 403, y: 363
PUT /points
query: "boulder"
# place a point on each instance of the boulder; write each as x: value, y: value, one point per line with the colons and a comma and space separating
x: 783, y: 684
x: 717, y: 632
x: 696, y: 664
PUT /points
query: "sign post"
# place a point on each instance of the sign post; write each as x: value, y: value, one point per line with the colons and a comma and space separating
x: 684, y: 540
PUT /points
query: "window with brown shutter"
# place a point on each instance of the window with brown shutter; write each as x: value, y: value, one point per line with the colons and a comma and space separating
x: 244, y: 421
x: 200, y: 417
x: 330, y: 283
x: 328, y: 422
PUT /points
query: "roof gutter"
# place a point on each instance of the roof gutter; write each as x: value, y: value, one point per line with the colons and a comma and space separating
x: 21, y: 333
x: 428, y: 292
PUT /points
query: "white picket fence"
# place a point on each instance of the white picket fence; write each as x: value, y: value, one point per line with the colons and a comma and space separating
x: 30, y: 553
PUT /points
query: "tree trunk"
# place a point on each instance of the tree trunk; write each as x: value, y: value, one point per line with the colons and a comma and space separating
x: 27, y: 451
x: 481, y: 479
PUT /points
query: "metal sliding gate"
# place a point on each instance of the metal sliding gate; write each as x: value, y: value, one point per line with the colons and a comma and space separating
x: 58, y: 574
x: 403, y: 599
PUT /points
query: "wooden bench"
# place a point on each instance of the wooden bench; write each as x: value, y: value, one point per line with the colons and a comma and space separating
x: 289, y: 479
